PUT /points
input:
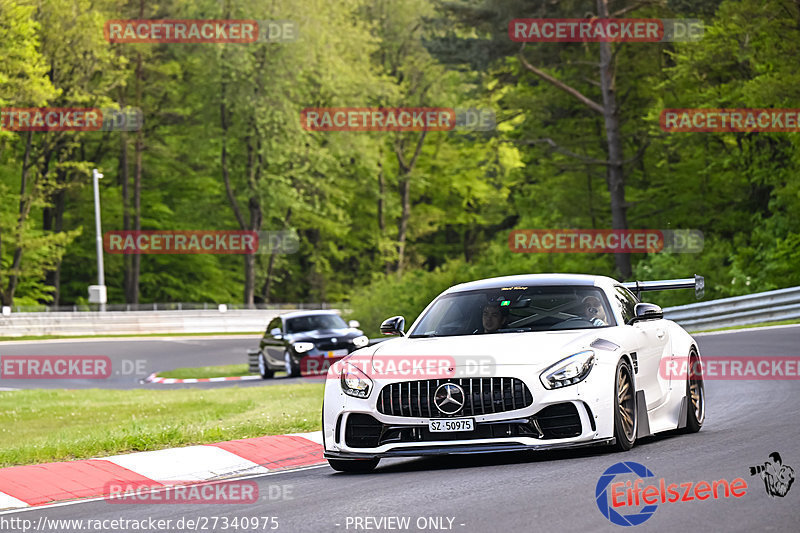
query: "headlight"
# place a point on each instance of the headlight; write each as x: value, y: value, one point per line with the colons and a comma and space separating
x: 355, y: 382
x: 303, y: 347
x: 361, y: 341
x: 568, y: 371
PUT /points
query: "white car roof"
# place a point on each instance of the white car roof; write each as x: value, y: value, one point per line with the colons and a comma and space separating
x: 535, y: 279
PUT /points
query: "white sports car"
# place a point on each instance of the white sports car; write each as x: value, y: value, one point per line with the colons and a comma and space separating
x: 516, y: 363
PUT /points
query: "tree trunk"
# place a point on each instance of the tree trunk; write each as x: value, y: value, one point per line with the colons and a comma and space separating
x: 270, y: 267
x: 24, y: 208
x: 57, y: 226
x: 136, y: 259
x: 402, y: 224
x: 123, y: 179
x: 615, y: 175
x: 404, y: 182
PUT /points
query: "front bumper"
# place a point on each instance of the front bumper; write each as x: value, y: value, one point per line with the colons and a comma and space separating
x: 590, y: 421
x: 456, y: 449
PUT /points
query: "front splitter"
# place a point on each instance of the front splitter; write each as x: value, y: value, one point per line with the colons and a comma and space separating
x: 417, y: 451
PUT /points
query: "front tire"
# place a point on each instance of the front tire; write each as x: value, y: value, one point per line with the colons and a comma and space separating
x: 625, y: 424
x: 292, y: 368
x: 695, y: 395
x: 354, y: 466
x: 263, y: 368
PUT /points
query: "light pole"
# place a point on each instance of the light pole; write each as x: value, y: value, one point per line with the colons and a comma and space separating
x: 97, y: 293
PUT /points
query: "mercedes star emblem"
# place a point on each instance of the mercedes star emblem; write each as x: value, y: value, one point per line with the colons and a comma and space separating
x: 449, y: 398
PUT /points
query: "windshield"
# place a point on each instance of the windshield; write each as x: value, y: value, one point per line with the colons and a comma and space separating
x: 312, y: 322
x: 516, y: 309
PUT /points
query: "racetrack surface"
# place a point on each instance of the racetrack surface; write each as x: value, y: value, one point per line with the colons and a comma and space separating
x: 133, y: 359
x: 546, y: 491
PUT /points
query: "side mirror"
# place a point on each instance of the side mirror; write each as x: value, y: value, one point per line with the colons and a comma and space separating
x: 393, y: 326
x: 276, y: 332
x: 354, y: 324
x: 645, y: 311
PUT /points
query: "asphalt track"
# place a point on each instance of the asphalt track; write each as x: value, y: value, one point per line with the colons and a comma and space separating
x: 746, y: 420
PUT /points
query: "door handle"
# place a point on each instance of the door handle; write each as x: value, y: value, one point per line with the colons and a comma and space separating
x: 660, y: 333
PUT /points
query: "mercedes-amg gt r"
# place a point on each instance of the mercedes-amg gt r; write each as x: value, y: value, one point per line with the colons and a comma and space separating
x: 516, y: 363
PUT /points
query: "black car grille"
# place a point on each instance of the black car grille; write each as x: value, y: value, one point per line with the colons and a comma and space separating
x: 324, y: 345
x: 362, y: 431
x: 482, y: 396
x: 559, y: 421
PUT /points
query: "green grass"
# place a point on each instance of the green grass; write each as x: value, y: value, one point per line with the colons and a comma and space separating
x: 748, y: 326
x: 219, y: 371
x: 38, y: 426
x: 45, y: 337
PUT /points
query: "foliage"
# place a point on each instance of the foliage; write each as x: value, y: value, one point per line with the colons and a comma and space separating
x: 343, y: 191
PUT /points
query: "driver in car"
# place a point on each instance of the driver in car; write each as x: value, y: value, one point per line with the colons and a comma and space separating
x: 593, y: 311
x: 492, y: 318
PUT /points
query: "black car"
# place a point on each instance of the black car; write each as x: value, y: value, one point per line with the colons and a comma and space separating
x: 305, y: 342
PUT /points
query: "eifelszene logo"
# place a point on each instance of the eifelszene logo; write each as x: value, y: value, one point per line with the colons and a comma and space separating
x: 613, y: 499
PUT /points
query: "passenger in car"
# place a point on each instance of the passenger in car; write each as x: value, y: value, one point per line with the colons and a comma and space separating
x: 593, y: 311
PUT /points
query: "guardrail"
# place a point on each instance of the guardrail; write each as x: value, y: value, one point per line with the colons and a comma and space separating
x: 137, y: 322
x: 170, y: 306
x: 781, y: 304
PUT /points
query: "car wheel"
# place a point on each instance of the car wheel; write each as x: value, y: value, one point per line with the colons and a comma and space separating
x: 624, y: 408
x: 695, y: 395
x: 353, y: 466
x: 263, y: 368
x: 292, y: 368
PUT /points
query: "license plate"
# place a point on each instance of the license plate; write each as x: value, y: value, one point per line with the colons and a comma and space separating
x: 336, y: 353
x: 446, y: 426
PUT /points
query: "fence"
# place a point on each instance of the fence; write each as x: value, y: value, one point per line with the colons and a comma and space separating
x: 137, y: 322
x: 782, y: 304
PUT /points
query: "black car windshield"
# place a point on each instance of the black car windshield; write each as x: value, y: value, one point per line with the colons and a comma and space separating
x: 516, y: 309
x: 312, y: 322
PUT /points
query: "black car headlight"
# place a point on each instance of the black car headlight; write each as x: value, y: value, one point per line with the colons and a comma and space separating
x: 361, y: 341
x: 568, y: 371
x: 303, y: 347
x: 355, y: 382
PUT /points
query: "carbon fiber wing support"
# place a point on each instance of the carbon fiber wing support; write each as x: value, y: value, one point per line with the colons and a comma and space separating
x: 697, y: 283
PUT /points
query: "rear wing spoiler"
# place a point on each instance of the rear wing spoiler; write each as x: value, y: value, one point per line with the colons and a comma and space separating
x: 697, y: 283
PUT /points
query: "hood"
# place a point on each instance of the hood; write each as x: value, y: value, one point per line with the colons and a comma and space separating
x: 529, y: 348
x: 324, y: 334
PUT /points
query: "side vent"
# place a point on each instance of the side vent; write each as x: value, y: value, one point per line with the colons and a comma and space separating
x: 635, y: 363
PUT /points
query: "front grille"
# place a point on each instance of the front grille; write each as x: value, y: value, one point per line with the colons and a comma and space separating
x: 362, y: 431
x: 559, y: 421
x: 482, y: 396
x: 326, y: 344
